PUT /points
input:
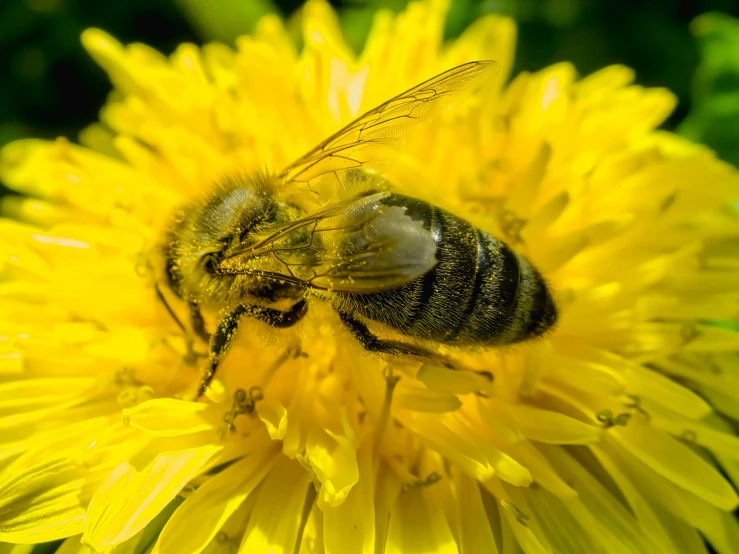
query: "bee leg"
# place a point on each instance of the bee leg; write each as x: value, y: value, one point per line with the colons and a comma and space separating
x: 197, y: 322
x: 191, y: 355
x: 170, y: 311
x: 372, y: 343
x: 221, y: 340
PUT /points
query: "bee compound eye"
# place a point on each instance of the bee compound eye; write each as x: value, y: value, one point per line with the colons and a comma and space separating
x: 209, y: 263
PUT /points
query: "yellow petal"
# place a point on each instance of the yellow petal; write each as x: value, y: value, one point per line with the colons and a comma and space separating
x: 456, y: 441
x: 475, y: 532
x: 528, y: 540
x: 418, y: 525
x: 274, y: 417
x: 49, y: 492
x: 551, y: 427
x: 108, y: 53
x: 650, y: 384
x: 130, y: 497
x: 541, y: 470
x: 333, y: 459
x: 641, y: 505
x: 167, y: 417
x: 720, y: 443
x: 388, y: 487
x: 454, y: 382
x: 600, y: 82
x: 419, y: 399
x: 676, y: 462
x: 490, y: 37
x: 716, y: 525
x: 350, y: 527
x: 11, y: 361
x: 595, y: 509
x: 29, y: 393
x: 73, y: 546
x: 273, y: 526
x: 198, y: 519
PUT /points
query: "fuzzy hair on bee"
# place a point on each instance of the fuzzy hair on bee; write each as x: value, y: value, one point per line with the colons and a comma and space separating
x: 237, y: 207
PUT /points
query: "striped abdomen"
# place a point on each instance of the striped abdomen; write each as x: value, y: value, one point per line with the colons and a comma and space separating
x: 480, y: 291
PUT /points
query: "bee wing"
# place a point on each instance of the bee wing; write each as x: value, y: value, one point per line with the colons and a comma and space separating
x: 363, y: 141
x: 356, y: 246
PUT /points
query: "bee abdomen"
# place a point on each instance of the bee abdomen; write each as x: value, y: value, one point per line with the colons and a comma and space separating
x: 511, y: 300
x: 479, y: 293
x: 490, y: 313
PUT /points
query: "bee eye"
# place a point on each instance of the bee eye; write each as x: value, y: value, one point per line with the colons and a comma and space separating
x: 209, y: 263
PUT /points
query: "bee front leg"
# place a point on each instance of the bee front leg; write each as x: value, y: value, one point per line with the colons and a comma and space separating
x: 221, y: 340
x: 170, y: 311
x: 190, y: 356
x: 197, y: 322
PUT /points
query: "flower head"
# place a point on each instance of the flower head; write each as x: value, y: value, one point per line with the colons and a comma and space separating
x: 610, y: 434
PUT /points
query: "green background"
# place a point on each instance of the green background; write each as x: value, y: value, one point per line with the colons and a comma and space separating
x: 50, y: 87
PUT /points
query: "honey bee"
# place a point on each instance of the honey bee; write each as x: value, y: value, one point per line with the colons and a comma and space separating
x: 330, y: 228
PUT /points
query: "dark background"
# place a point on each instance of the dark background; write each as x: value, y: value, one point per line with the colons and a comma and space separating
x: 50, y: 87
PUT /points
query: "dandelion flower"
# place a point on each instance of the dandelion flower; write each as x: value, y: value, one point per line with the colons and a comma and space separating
x: 614, y: 433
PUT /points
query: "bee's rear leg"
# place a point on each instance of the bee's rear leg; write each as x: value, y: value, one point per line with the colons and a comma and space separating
x: 221, y: 340
x: 373, y: 343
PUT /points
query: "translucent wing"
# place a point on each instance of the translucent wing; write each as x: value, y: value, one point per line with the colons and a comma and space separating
x: 364, y: 140
x: 358, y: 246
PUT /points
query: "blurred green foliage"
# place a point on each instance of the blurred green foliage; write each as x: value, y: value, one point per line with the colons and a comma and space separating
x: 224, y: 20
x: 51, y: 88
x: 714, y: 118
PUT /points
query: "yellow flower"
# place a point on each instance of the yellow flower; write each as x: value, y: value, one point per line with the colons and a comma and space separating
x: 612, y: 434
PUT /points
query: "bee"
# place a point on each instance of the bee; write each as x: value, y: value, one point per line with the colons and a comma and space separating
x: 329, y: 227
